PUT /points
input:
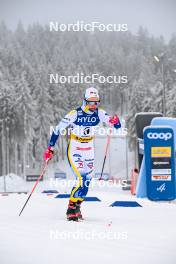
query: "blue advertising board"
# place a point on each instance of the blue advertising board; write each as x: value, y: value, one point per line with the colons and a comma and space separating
x: 60, y: 175
x: 105, y: 176
x: 160, y: 163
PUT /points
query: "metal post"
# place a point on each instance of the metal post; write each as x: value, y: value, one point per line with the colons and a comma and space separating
x: 164, y: 91
x: 110, y: 159
x: 7, y: 143
x: 126, y: 156
x: 24, y: 161
x: 16, y: 159
x: 3, y: 157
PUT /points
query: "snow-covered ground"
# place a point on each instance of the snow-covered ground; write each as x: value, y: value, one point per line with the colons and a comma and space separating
x: 121, y: 235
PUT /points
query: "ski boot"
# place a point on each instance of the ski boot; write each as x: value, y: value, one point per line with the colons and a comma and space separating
x: 71, y: 212
x: 78, y: 210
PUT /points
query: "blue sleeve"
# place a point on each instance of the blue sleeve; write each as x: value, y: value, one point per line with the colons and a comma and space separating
x: 53, y: 139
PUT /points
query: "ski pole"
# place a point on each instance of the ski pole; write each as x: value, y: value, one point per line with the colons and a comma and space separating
x: 35, y: 185
x: 106, y: 151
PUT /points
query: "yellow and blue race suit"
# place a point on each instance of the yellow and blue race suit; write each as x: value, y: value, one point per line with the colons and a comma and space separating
x: 81, y: 146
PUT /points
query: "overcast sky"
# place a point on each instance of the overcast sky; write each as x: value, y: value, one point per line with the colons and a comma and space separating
x: 158, y: 16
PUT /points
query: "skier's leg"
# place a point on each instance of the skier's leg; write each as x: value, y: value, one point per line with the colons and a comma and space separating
x: 76, y: 162
x: 81, y: 160
x: 82, y: 164
x: 87, y: 177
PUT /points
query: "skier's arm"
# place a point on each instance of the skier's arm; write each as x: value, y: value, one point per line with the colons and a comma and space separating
x: 63, y: 124
x: 105, y: 118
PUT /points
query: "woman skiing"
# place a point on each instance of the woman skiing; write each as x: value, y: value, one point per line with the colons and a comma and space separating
x: 83, y: 122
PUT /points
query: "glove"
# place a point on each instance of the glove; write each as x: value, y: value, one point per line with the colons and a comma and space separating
x: 48, y: 154
x: 114, y: 120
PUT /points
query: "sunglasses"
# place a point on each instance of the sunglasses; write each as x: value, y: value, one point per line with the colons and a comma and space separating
x: 93, y: 103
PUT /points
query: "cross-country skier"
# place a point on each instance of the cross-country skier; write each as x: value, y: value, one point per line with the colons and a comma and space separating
x: 83, y: 122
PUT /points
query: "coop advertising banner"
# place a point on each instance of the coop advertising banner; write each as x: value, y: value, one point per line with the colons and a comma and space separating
x: 160, y: 163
